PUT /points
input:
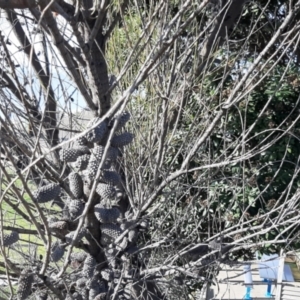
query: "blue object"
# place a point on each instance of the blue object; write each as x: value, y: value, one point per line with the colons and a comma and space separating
x: 248, y: 293
x: 269, y: 288
x: 268, y: 268
x: 248, y: 281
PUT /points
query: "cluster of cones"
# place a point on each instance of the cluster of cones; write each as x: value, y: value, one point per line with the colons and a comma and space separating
x: 89, y: 158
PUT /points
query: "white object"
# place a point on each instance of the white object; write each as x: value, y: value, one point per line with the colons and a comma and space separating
x: 248, y: 275
x: 268, y: 268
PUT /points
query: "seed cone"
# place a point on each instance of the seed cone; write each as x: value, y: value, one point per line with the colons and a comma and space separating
x: 106, y: 215
x: 89, y: 267
x: 10, y: 238
x: 92, y: 168
x: 76, y: 208
x: 57, y: 252
x: 106, y: 191
x: 47, y: 193
x: 110, y: 177
x: 79, y: 256
x: 98, y: 152
x: 66, y: 215
x: 122, y: 139
x: 59, y: 227
x: 76, y: 185
x: 123, y: 117
x: 96, y: 134
x: 69, y: 237
x: 71, y: 154
x: 82, y: 149
x: 24, y: 284
x: 82, y: 141
x: 109, y: 232
x: 112, y: 154
x: 81, y: 282
x: 81, y: 162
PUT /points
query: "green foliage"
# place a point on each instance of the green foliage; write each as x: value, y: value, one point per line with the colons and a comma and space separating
x: 264, y: 124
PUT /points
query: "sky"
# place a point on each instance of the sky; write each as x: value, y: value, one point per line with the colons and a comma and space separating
x: 62, y: 83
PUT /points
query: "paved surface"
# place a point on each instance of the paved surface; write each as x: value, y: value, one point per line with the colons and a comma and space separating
x: 235, y: 289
